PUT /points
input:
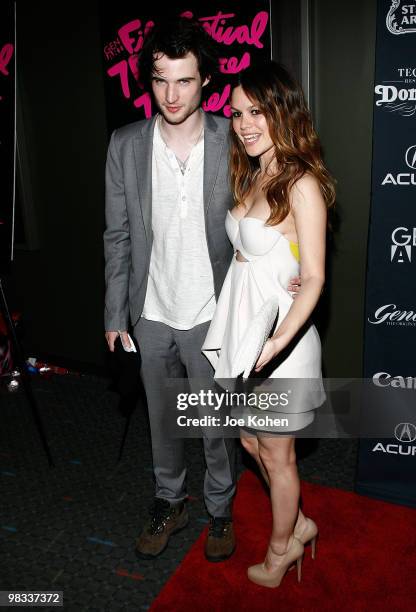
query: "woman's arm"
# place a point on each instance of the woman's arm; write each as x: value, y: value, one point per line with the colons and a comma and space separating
x: 310, y: 215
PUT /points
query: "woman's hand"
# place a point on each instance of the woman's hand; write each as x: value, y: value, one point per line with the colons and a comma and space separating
x: 294, y: 286
x: 272, y: 348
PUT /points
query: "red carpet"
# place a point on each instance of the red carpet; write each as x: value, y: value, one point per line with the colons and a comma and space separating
x: 366, y: 559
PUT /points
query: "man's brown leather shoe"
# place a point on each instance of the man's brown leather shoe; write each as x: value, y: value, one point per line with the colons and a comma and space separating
x: 165, y: 520
x: 220, y: 543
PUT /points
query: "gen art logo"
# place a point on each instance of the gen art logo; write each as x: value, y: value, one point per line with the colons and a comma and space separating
x: 403, y: 240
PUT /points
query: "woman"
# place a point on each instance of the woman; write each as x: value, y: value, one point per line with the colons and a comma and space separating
x: 278, y: 228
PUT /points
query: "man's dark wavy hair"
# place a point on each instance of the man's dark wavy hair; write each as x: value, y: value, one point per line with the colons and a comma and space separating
x: 175, y: 38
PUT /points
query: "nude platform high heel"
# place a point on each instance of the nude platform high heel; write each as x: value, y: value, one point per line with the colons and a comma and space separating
x: 272, y: 578
x: 309, y: 533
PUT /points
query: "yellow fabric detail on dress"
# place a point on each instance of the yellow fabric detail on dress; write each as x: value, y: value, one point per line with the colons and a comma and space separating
x: 294, y: 249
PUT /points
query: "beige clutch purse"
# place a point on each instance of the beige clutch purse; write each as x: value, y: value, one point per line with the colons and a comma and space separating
x: 255, y: 338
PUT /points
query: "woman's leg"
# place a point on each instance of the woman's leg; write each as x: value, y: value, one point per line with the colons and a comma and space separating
x: 251, y: 444
x: 279, y: 459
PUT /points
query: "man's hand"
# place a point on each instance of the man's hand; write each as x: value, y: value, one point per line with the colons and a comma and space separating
x: 111, y: 336
x: 294, y: 285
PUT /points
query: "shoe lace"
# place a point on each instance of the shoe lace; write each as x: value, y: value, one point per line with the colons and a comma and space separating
x: 218, y: 526
x: 159, y: 513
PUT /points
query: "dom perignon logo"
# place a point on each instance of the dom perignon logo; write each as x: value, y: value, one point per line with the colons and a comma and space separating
x: 398, y: 95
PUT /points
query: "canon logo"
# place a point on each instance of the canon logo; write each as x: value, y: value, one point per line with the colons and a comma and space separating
x: 389, y: 314
x: 384, y: 379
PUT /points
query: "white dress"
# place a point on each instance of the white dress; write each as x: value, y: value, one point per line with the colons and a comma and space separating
x: 272, y: 261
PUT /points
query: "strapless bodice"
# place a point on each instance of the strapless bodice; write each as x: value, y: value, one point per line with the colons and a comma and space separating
x: 251, y: 236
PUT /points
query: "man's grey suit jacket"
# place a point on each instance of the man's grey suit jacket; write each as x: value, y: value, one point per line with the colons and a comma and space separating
x: 128, y: 235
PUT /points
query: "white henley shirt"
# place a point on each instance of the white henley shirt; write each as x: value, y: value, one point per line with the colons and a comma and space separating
x: 180, y: 290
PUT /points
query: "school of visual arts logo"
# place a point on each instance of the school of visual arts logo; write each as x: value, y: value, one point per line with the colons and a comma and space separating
x: 396, y: 98
x: 401, y: 17
x: 391, y: 315
x: 403, y: 178
x: 402, y: 241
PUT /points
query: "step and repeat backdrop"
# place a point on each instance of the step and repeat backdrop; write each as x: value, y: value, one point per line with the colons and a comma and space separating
x: 387, y: 467
x: 243, y: 32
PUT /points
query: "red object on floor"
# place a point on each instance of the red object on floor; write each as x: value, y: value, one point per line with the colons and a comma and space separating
x: 365, y: 559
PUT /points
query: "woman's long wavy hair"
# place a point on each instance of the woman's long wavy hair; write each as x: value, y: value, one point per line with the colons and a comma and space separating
x: 297, y: 148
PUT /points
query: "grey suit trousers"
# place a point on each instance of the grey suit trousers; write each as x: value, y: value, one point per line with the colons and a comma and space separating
x: 172, y: 353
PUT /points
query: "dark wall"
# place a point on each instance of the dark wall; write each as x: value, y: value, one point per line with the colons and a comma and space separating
x: 343, y: 36
x: 59, y: 287
x: 286, y: 34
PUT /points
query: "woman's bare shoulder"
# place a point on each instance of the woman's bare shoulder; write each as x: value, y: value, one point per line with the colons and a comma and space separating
x: 306, y: 190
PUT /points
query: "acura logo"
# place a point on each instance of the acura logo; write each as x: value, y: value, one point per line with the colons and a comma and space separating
x: 404, y: 178
x: 405, y: 432
x: 410, y: 157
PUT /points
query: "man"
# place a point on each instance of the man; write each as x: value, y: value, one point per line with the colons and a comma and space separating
x: 167, y: 254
